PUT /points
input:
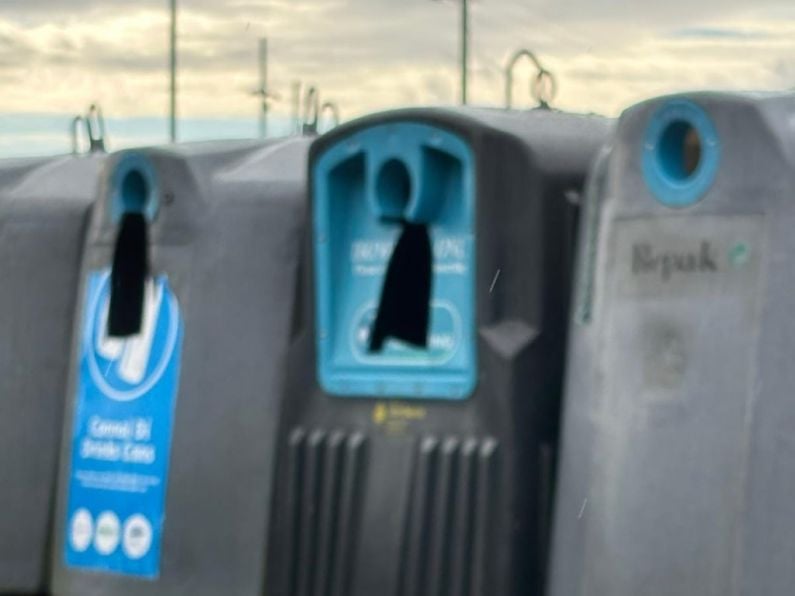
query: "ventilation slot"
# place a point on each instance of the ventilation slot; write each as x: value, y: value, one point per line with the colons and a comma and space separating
x: 446, y: 531
x: 325, y: 483
x: 128, y: 277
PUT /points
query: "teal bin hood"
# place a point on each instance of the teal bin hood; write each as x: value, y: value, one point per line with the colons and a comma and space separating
x: 366, y: 188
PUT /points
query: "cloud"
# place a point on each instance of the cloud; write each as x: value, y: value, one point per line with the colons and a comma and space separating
x: 57, y: 57
x: 719, y: 33
x: 652, y: 13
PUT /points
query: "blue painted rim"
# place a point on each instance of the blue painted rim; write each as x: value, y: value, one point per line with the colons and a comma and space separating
x: 660, y: 156
x: 140, y: 200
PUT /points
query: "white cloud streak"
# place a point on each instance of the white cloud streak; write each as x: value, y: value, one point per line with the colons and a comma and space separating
x: 57, y: 56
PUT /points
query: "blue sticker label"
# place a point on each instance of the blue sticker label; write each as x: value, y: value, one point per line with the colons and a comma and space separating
x: 126, y: 396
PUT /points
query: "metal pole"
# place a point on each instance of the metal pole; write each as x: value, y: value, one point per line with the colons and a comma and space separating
x: 464, y: 50
x: 263, y: 85
x: 173, y: 70
x: 296, y: 106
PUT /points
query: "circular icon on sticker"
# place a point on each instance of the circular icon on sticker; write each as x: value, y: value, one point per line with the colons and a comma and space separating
x: 136, y: 537
x: 125, y: 369
x: 81, y: 530
x: 108, y: 532
x: 444, y: 338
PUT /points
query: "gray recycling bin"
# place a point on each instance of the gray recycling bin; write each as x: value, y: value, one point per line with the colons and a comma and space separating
x: 44, y: 206
x: 425, y: 366
x: 678, y: 461
x: 186, y: 299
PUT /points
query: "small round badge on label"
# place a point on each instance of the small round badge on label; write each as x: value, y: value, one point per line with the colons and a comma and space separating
x: 108, y: 533
x: 137, y: 537
x: 81, y: 530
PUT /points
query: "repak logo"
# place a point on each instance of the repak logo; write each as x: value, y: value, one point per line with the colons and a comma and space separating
x: 648, y: 261
x: 126, y: 368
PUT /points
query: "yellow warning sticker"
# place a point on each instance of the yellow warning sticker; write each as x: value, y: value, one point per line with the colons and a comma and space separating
x: 395, y: 417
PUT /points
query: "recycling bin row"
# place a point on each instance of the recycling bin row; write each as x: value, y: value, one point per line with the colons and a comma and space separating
x: 339, y: 367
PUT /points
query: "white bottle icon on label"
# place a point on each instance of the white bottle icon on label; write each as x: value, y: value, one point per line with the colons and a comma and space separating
x: 132, y: 354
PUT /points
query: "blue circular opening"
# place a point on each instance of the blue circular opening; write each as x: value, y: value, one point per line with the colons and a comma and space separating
x: 393, y: 188
x: 133, y: 187
x: 134, y: 192
x: 681, y: 153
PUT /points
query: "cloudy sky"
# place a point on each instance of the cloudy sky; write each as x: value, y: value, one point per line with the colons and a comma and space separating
x: 58, y: 56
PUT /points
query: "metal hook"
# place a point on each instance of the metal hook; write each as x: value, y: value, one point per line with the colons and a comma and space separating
x: 333, y: 110
x: 543, y: 88
x: 74, y: 132
x: 311, y: 111
x: 95, y: 122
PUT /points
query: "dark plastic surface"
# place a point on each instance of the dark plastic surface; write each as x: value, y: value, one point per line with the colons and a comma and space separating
x: 227, y: 234
x: 420, y: 497
x: 44, y: 206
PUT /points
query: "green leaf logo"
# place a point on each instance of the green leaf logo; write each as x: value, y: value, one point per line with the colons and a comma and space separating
x: 740, y: 254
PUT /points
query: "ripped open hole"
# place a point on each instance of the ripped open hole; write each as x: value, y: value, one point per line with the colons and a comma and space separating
x: 135, y: 191
x: 680, y: 150
x: 404, y: 305
x: 393, y: 188
x: 128, y: 277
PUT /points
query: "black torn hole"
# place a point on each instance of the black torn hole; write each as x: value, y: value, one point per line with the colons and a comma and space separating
x: 128, y: 277
x: 404, y: 308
